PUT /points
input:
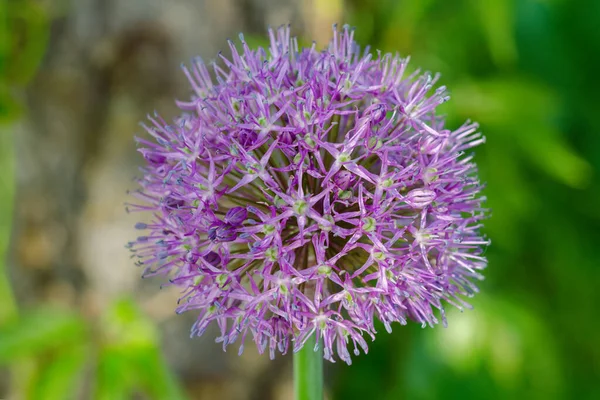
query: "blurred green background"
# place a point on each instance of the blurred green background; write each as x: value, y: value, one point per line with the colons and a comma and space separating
x: 75, y: 77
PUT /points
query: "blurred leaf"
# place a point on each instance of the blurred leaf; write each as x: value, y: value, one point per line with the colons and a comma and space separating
x: 407, y: 16
x: 509, y: 193
x: 7, y: 183
x: 373, y: 373
x: 507, y: 101
x: 114, y: 378
x: 59, y: 377
x: 28, y: 30
x: 122, y: 371
x: 131, y: 355
x: 127, y: 328
x: 496, y: 351
x: 497, y: 22
x: 10, y: 109
x: 556, y: 158
x: 37, y: 331
x: 125, y: 334
x: 524, y: 111
x: 23, y: 374
x: 24, y: 33
x: 156, y: 379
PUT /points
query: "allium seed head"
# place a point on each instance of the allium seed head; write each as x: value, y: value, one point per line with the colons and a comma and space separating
x: 307, y: 192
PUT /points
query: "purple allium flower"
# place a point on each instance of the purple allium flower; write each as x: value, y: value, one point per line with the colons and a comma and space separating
x: 307, y: 192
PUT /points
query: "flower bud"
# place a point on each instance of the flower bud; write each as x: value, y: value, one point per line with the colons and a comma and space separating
x: 420, y: 198
x: 155, y: 159
x: 344, y: 179
x: 212, y: 258
x: 377, y: 113
x: 286, y: 138
x: 236, y: 216
x: 220, y: 232
x: 246, y: 137
x: 173, y: 203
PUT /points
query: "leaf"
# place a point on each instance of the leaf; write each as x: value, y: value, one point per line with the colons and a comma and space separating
x: 127, y: 328
x: 497, y: 22
x: 27, y: 51
x: 555, y: 158
x: 38, y: 331
x: 7, y: 188
x: 406, y: 17
x: 131, y: 358
x: 524, y: 111
x: 114, y: 378
x: 59, y: 378
x: 499, y: 350
x: 10, y: 109
x: 155, y: 377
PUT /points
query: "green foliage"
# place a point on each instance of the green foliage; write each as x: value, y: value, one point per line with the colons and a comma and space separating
x: 6, y: 212
x: 60, y: 376
x: 503, y: 346
x: 38, y: 331
x: 130, y: 358
x: 113, y: 377
x: 56, y: 347
x: 23, y: 37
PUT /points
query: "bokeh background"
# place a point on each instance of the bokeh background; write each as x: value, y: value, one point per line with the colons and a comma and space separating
x: 76, y: 76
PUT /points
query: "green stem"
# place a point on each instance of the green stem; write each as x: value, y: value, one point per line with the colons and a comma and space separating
x: 308, y: 372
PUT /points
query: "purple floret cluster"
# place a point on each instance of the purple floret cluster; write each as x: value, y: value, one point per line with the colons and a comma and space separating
x: 305, y: 192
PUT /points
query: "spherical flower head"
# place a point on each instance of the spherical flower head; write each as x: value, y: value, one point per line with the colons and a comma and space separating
x: 307, y: 192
